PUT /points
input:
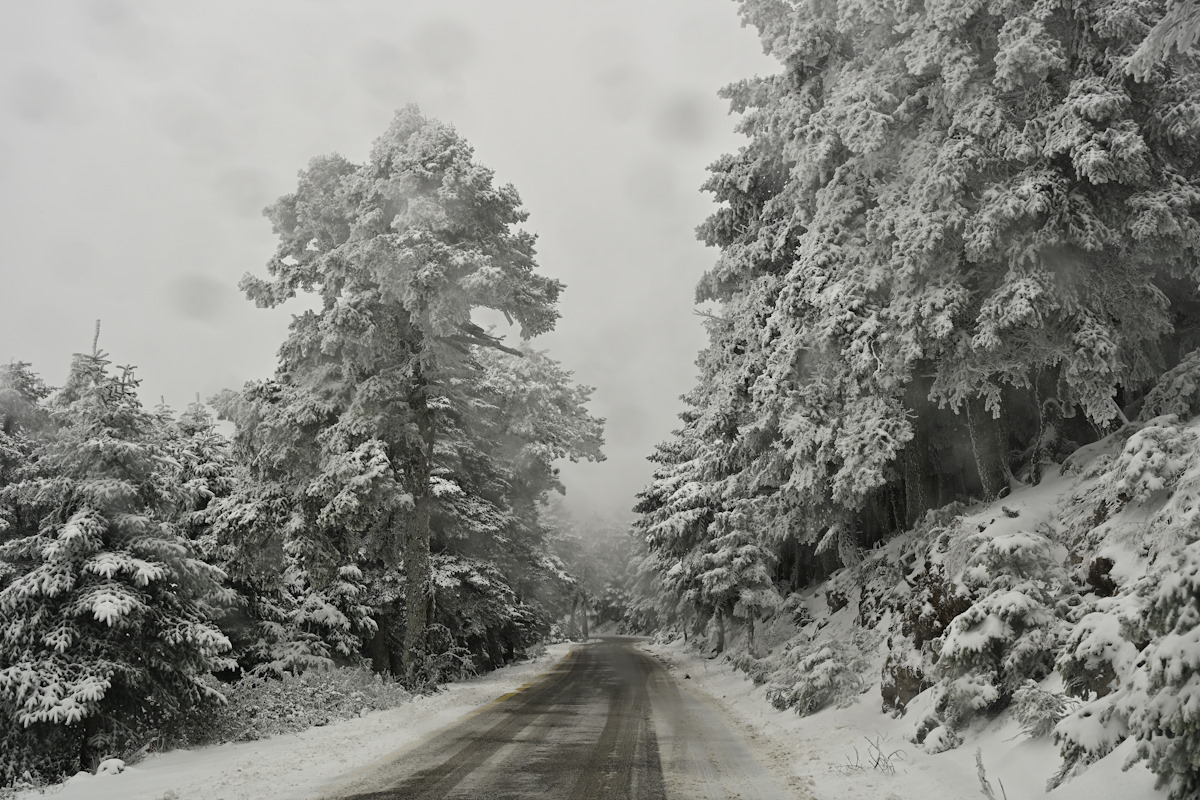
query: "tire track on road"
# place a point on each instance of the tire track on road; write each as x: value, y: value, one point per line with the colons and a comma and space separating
x: 608, y: 723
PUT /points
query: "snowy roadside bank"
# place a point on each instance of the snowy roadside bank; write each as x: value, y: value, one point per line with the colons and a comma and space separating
x: 830, y: 753
x: 298, y: 765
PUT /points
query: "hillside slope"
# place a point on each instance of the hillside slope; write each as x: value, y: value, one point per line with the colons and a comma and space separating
x: 1058, y: 628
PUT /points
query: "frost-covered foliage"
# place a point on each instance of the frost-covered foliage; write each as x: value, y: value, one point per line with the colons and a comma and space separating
x: 1040, y: 710
x: 260, y: 707
x: 1130, y: 651
x: 482, y: 617
x: 733, y: 570
x: 712, y: 547
x: 811, y: 674
x: 1133, y: 517
x: 1010, y: 632
x: 383, y: 411
x: 904, y: 197
x: 1153, y: 459
x: 1098, y: 650
x: 1096, y: 663
x: 298, y: 626
x: 338, y: 531
x: 958, y: 243
x: 109, y: 620
x: 1070, y: 609
x: 140, y: 552
x: 395, y: 426
x: 1164, y: 690
x: 970, y: 610
x: 382, y: 497
x: 22, y: 420
x: 1177, y: 392
x: 294, y: 610
x: 1174, y: 36
x: 206, y: 473
x: 1146, y: 470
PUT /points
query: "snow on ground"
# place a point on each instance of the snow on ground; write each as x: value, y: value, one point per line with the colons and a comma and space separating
x: 298, y: 765
x: 830, y: 753
x: 827, y: 755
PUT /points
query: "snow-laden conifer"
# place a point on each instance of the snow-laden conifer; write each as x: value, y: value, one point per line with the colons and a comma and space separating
x: 110, y: 617
x: 23, y: 420
x: 941, y: 221
x: 1163, y: 693
x: 400, y: 250
x: 958, y: 242
x: 1010, y: 632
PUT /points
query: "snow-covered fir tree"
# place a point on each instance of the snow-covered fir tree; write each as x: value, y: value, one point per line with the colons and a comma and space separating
x: 22, y: 422
x: 109, y: 620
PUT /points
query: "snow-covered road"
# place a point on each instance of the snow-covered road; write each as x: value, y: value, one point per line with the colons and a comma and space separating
x: 704, y: 726
x: 608, y: 722
x: 598, y: 720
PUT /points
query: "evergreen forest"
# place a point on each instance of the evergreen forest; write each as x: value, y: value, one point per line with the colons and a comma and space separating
x: 942, y: 449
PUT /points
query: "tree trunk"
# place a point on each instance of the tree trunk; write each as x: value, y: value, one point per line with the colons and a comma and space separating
x: 381, y: 644
x: 720, y: 616
x: 795, y: 581
x: 989, y: 447
x: 1048, y: 442
x: 495, y: 651
x: 571, y: 624
x: 700, y: 625
x: 895, y: 509
x: 920, y: 473
x: 89, y: 759
x: 585, y: 619
x: 417, y: 569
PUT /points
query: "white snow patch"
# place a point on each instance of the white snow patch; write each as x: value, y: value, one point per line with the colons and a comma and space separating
x: 110, y: 766
x: 828, y: 753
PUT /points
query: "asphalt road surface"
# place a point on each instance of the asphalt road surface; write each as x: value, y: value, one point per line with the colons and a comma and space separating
x: 607, y: 723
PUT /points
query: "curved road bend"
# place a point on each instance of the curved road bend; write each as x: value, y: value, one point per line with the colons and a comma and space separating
x: 607, y: 723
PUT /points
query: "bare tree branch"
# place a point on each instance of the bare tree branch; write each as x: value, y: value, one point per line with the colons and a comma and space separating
x: 473, y: 334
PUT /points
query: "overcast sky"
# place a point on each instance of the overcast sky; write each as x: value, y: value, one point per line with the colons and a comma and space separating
x: 139, y: 142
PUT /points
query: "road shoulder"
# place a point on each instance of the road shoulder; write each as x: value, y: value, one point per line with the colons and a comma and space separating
x: 829, y: 754
x: 736, y: 702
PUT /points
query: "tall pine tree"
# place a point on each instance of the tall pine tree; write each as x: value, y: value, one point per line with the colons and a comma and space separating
x: 400, y: 250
